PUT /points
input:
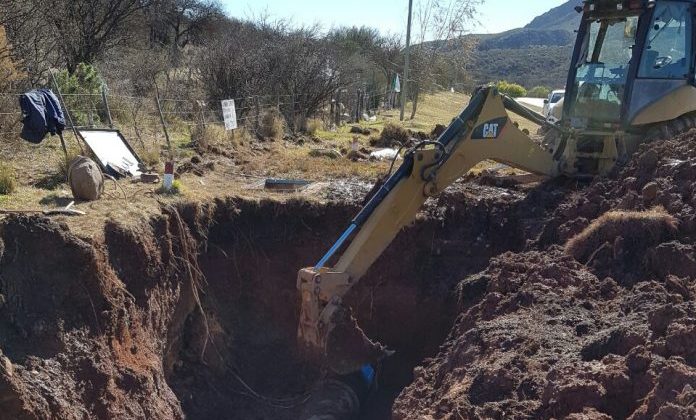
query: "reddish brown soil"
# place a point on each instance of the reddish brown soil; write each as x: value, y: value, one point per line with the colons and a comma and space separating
x: 194, y: 313
x: 541, y: 335
x: 80, y: 341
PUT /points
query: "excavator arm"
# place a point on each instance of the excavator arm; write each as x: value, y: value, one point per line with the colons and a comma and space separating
x: 482, y: 131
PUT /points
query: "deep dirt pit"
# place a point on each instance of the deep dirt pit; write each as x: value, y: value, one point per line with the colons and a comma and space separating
x: 194, y: 314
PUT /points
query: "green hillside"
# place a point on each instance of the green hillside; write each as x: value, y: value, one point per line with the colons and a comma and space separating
x: 562, y: 17
x: 537, y: 54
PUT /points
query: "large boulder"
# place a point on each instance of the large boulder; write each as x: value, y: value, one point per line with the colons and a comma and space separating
x: 86, y: 179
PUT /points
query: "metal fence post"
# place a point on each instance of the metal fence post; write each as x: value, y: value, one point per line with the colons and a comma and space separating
x: 292, y: 112
x: 105, y: 101
x: 338, y: 108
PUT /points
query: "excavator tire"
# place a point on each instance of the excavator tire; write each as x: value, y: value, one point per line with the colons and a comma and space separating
x: 670, y: 129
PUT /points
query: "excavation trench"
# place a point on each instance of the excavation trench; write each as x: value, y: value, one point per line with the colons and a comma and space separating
x: 406, y: 301
x: 195, y: 313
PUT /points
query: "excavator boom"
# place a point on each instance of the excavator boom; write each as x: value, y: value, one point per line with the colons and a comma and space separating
x: 482, y: 131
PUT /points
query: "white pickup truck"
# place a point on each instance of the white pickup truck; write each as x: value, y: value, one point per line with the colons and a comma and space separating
x: 554, y: 100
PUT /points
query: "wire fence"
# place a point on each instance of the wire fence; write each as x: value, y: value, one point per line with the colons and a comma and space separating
x: 138, y: 117
x: 98, y: 110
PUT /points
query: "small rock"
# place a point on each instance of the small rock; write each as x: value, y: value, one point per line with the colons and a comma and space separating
x: 359, y: 130
x: 650, y: 191
x: 648, y: 161
x: 638, y: 359
x: 6, y: 366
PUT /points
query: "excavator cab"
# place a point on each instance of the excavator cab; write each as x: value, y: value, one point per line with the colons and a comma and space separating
x: 632, y: 59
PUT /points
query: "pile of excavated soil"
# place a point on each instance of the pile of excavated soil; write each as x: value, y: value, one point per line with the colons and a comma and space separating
x: 613, y: 335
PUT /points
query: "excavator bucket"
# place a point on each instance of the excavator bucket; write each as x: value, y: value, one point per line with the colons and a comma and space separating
x: 328, y: 332
x: 348, y: 348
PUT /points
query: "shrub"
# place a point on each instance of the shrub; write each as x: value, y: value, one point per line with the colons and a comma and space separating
x: 314, y: 125
x: 539, y: 92
x: 151, y: 156
x: 391, y: 135
x: 511, y: 89
x: 204, y: 137
x: 177, y: 187
x: 85, y: 80
x: 8, y: 179
x: 272, y: 126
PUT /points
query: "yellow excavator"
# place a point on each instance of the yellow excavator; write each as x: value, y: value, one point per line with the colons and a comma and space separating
x: 631, y: 79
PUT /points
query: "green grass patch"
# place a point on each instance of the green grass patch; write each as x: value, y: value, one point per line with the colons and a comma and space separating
x: 8, y: 179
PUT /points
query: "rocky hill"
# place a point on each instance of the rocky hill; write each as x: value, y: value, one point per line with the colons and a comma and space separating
x: 537, y: 54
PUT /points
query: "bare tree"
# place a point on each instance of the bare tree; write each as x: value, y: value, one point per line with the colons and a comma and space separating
x: 362, y: 51
x: 179, y: 22
x: 294, y: 66
x: 33, y: 45
x: 441, y: 42
x: 308, y: 74
x: 80, y: 30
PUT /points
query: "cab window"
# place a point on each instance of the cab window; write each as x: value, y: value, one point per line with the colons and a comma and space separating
x: 667, y: 53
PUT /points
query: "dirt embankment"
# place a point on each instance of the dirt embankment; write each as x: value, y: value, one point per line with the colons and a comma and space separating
x: 79, y: 339
x: 194, y: 313
x: 595, y: 320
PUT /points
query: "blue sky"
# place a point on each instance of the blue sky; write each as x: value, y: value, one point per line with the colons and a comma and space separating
x: 387, y: 15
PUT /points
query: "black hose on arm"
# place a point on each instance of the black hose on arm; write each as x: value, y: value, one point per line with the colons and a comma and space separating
x: 526, y: 113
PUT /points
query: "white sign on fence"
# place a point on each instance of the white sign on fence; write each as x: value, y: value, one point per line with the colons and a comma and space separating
x: 229, y: 114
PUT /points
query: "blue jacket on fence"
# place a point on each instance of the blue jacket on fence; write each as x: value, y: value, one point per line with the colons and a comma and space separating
x: 41, y: 114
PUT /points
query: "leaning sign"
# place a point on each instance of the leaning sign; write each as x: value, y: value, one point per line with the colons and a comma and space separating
x: 229, y: 114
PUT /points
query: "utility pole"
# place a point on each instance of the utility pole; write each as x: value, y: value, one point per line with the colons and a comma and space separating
x: 404, y: 88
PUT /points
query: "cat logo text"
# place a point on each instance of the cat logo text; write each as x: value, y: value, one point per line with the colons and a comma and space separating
x: 490, y: 131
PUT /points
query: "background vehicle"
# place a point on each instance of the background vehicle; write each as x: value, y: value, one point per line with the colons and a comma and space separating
x: 552, y: 101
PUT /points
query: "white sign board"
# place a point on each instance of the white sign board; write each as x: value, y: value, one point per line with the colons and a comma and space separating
x: 110, y: 149
x: 229, y: 114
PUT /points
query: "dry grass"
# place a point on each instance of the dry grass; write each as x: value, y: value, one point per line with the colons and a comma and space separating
x: 151, y: 157
x: 64, y: 162
x: 392, y: 135
x: 8, y: 179
x: 294, y: 161
x: 272, y: 126
x: 40, y: 184
x: 203, y: 137
x: 638, y: 229
x: 438, y: 108
x: 314, y: 126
